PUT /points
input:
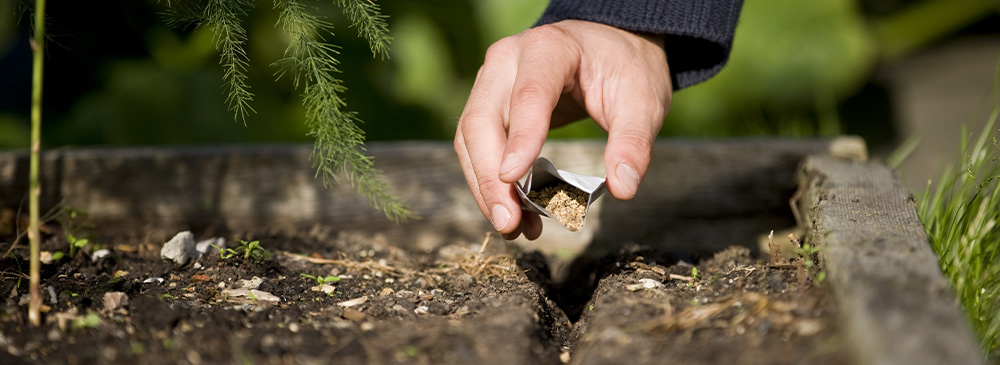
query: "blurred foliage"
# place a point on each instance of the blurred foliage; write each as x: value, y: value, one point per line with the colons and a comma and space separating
x: 787, y: 72
x: 117, y: 75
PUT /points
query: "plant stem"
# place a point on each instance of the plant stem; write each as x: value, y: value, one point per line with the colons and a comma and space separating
x: 38, y: 50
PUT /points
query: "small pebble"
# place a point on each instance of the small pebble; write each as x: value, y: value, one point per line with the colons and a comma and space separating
x: 54, y: 335
x: 197, y: 278
x: 353, y: 302
x: 115, y: 300
x: 180, y: 249
x: 564, y: 357
x: 253, y: 283
x: 354, y: 315
x: 97, y: 255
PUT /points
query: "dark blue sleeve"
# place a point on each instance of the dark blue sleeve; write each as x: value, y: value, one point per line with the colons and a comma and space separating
x: 698, y: 33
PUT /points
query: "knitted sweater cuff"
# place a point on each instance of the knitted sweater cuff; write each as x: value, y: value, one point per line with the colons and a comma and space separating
x: 698, y: 34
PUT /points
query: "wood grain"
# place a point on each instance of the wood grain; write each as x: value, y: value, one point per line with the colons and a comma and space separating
x: 897, y: 306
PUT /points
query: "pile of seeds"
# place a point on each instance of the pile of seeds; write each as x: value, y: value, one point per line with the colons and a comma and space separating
x: 567, y: 203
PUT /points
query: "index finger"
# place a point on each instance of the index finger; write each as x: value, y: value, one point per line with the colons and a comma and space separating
x: 482, y: 135
x: 545, y: 70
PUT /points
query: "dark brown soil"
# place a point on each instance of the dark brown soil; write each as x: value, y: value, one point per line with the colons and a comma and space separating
x: 456, y: 304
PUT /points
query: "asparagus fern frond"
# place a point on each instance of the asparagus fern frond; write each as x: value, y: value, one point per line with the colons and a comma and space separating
x: 311, y: 63
x: 367, y: 17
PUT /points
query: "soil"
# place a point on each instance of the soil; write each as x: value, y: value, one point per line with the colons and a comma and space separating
x: 488, y: 303
x: 567, y: 204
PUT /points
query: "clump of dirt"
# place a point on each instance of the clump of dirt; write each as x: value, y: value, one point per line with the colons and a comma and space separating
x: 567, y: 203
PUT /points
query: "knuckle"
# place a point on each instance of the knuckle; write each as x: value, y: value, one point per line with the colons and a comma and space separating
x: 524, y: 138
x: 656, y: 112
x: 527, y: 93
x: 471, y: 120
x: 543, y: 35
x: 458, y: 143
x: 500, y: 50
x: 488, y: 188
x: 634, y: 140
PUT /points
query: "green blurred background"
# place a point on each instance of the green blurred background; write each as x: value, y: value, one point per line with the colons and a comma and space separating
x: 116, y: 75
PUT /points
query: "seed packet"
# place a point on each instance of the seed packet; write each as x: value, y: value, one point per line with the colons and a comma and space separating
x: 560, y: 195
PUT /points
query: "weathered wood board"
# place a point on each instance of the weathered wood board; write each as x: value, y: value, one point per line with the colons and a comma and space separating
x: 690, y: 188
x: 896, y: 305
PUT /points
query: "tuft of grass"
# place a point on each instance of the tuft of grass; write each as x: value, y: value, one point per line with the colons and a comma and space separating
x: 960, y: 216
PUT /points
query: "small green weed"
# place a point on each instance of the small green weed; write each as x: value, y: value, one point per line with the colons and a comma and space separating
x: 249, y: 250
x: 808, y: 253
x: 78, y: 233
x: 694, y: 273
x: 320, y: 280
x: 138, y: 348
x: 90, y: 320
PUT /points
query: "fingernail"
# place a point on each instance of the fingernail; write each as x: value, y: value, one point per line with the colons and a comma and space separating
x: 509, y: 163
x: 627, y: 177
x: 501, y: 216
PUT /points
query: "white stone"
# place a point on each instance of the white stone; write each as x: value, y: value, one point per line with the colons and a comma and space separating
x: 180, y: 249
x: 97, y: 255
x: 253, y: 283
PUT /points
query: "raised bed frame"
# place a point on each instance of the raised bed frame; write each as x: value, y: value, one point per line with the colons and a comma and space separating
x: 896, y: 307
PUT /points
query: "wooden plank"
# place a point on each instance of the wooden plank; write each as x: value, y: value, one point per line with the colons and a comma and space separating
x: 702, y: 196
x: 691, y: 187
x: 897, y: 306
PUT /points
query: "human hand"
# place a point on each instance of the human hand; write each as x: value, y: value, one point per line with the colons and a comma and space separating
x: 547, y: 77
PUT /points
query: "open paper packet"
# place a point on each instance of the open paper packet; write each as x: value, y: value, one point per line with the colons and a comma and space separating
x: 562, y: 196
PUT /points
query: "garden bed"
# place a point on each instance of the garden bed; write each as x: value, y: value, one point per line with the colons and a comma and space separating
x: 678, y: 275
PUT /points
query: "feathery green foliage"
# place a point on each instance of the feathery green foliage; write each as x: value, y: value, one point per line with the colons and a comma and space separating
x: 311, y: 63
x: 367, y: 17
x: 960, y: 216
x: 224, y: 18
